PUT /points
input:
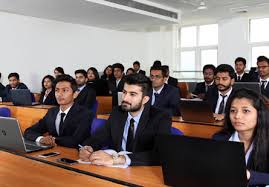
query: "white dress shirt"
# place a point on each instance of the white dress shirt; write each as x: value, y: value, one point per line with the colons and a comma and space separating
x: 220, y: 99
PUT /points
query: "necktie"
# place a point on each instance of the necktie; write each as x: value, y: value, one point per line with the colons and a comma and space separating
x: 206, y: 88
x: 130, y: 138
x: 61, y: 123
x: 156, y: 97
x: 263, y: 87
x: 221, y: 106
x: 238, y: 78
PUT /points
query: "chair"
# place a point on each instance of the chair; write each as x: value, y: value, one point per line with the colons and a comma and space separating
x: 5, y: 112
x: 184, y: 89
x: 96, y: 124
x: 176, y: 131
x: 94, y: 107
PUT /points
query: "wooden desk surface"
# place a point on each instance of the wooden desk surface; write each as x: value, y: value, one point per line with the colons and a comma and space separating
x: 20, y: 171
x: 139, y: 175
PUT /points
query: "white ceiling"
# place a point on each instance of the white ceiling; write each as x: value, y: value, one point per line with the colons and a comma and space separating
x: 88, y: 13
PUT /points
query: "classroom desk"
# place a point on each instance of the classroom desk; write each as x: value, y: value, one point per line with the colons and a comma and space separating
x: 20, y: 171
x: 135, y: 175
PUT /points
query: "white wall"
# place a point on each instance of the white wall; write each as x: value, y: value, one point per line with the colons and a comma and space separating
x: 34, y: 47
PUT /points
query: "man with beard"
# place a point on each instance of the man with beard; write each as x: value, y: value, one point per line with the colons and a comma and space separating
x: 219, y: 95
x: 131, y: 129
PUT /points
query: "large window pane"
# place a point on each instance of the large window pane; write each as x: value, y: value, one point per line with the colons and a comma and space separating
x: 208, y: 35
x: 187, y: 64
x: 188, y: 36
x: 259, y: 29
x: 259, y: 51
x: 209, y: 56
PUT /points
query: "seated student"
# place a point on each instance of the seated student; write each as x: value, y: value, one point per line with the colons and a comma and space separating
x: 130, y: 71
x: 218, y: 96
x: 202, y: 87
x: 14, y: 83
x: 58, y: 71
x: 240, y: 66
x: 163, y: 96
x: 2, y: 89
x: 85, y: 94
x: 136, y: 68
x: 67, y: 125
x: 99, y: 85
x: 247, y: 122
x: 131, y: 127
x: 48, y: 91
x: 108, y: 73
x: 117, y: 84
x: 170, y: 80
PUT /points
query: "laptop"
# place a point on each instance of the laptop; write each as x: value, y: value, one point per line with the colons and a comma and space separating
x: 196, y: 111
x: 254, y: 86
x: 22, y: 97
x: 201, y: 162
x: 11, y: 137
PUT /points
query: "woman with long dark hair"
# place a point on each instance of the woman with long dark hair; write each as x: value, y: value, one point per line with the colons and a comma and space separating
x: 247, y: 121
x: 108, y: 73
x: 48, y: 93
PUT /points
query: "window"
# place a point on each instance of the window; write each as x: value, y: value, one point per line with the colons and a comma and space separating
x: 199, y: 46
x: 259, y: 39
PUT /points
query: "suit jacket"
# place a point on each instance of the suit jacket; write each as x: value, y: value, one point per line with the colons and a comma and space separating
x: 168, y: 100
x: 152, y: 122
x: 7, y: 97
x: 212, y: 96
x: 246, y: 78
x: 172, y: 81
x: 200, y: 88
x: 86, y: 97
x: 2, y: 90
x: 256, y: 178
x: 115, y: 89
x: 77, y: 126
x: 50, y: 99
x: 264, y: 92
x: 100, y: 86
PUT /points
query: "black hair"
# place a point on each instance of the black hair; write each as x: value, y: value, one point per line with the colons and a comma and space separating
x: 262, y: 58
x: 51, y: 78
x: 60, y: 70
x: 14, y: 75
x: 259, y: 157
x: 136, y: 63
x: 225, y: 68
x: 109, y: 66
x: 166, y: 68
x: 209, y: 66
x: 130, y: 69
x: 118, y: 65
x: 240, y: 59
x: 161, y: 68
x: 81, y: 71
x: 139, y: 80
x: 95, y: 72
x: 157, y: 63
x: 105, y: 76
x: 66, y: 78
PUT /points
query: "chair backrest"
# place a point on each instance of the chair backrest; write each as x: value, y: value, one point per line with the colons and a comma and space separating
x: 96, y: 124
x: 5, y: 112
x: 176, y: 131
x: 184, y: 89
x: 94, y: 107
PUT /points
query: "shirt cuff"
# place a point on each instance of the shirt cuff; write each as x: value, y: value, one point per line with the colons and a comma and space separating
x: 127, y: 160
x: 39, y: 138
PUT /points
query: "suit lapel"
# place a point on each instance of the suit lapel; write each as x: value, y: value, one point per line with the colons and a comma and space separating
x: 121, y: 124
x: 68, y: 118
x: 54, y: 116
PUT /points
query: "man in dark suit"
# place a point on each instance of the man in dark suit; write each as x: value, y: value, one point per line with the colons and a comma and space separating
x: 85, y: 94
x: 163, y: 96
x: 170, y: 80
x: 131, y: 127
x: 117, y: 84
x: 14, y: 83
x: 263, y: 70
x: 202, y: 87
x: 240, y: 66
x: 67, y: 125
x: 136, y: 67
x: 219, y: 96
x: 2, y: 88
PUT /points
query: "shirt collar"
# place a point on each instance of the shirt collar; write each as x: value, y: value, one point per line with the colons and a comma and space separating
x: 66, y: 110
x: 82, y: 87
x: 159, y: 91
x: 228, y: 93
x: 136, y: 118
x: 240, y: 75
x: 264, y: 79
x: 209, y: 83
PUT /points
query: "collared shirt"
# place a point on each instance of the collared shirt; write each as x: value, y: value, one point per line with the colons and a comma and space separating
x: 81, y: 88
x: 235, y: 138
x: 153, y: 96
x: 237, y: 75
x: 265, y: 83
x: 220, y: 99
x: 117, y: 82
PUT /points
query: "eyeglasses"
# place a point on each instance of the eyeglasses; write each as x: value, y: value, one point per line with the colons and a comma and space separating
x: 156, y: 76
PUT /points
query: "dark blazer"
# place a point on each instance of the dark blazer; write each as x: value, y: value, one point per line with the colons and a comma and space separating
x: 172, y: 81
x: 7, y: 97
x: 100, y: 86
x: 77, y: 126
x: 50, y: 99
x: 200, y: 88
x: 2, y: 90
x: 115, y: 89
x: 246, y: 78
x: 152, y: 122
x: 86, y: 97
x: 142, y: 72
x: 256, y: 178
x: 168, y: 100
x: 264, y: 92
x: 212, y: 96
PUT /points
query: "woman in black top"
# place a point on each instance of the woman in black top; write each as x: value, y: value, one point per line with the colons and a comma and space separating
x: 48, y: 94
x: 100, y: 85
